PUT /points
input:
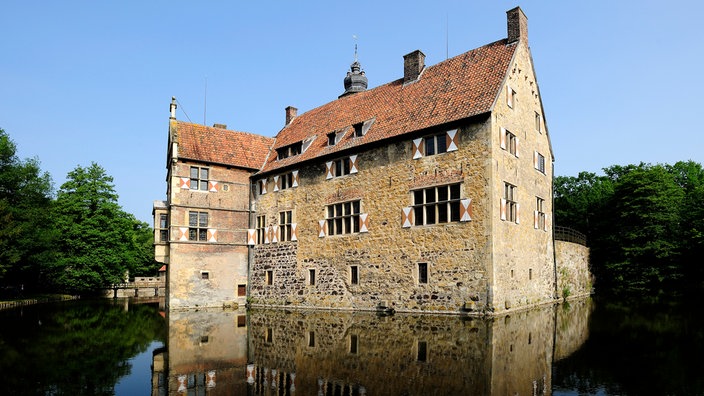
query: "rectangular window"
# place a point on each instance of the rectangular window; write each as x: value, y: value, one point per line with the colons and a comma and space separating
x: 437, y: 205
x: 198, y: 226
x: 286, y: 180
x: 354, y: 275
x: 422, y: 351
x: 436, y: 144
x: 510, y: 97
x: 199, y: 178
x: 311, y: 339
x: 261, y: 186
x: 423, y: 273
x: 205, y: 275
x: 285, y: 218
x: 290, y: 150
x: 270, y: 277
x: 241, y: 290
x: 511, y: 142
x: 540, y: 213
x: 342, y: 167
x: 311, y: 276
x: 163, y: 228
x: 332, y: 138
x: 358, y: 129
x: 539, y: 162
x: 354, y: 343
x: 343, y: 218
x: 241, y: 320
x: 538, y: 122
x: 269, y: 334
x: 511, y: 204
x: 261, y: 229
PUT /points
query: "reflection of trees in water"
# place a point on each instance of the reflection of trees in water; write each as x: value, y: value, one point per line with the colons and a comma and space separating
x: 78, y: 348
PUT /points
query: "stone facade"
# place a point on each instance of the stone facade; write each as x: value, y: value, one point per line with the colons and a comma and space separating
x: 574, y: 279
x: 432, y: 193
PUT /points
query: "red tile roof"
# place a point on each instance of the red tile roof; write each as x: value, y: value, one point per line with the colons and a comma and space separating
x: 222, y: 146
x: 458, y: 88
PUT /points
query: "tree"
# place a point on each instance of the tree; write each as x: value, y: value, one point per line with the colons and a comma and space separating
x: 98, y: 242
x: 25, y: 229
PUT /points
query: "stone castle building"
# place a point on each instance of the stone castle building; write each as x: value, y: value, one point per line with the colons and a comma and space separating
x: 429, y: 193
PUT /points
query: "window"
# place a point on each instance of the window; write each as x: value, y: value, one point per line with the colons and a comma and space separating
x: 354, y: 343
x: 163, y: 227
x: 199, y: 178
x: 311, y: 339
x: 539, y: 162
x: 269, y: 334
x: 530, y: 273
x: 343, y: 218
x: 285, y: 225
x: 423, y: 273
x: 290, y: 150
x: 342, y: 167
x: 261, y: 229
x: 287, y: 180
x: 261, y: 186
x: 332, y: 138
x: 359, y: 130
x: 270, y: 277
x: 509, y: 142
x: 241, y: 320
x: 510, y: 96
x: 539, y: 213
x: 511, y: 207
x: 354, y: 275
x: 436, y: 144
x: 198, y: 226
x: 436, y: 205
x: 538, y: 122
x: 241, y: 290
x: 311, y: 276
x: 205, y: 275
x: 422, y: 351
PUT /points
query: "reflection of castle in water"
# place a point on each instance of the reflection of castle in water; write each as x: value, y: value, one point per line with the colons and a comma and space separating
x: 274, y: 352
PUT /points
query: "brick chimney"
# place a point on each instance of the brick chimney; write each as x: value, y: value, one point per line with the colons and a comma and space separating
x: 220, y: 126
x: 413, y: 65
x: 517, y: 24
x: 291, y: 113
x: 172, y: 108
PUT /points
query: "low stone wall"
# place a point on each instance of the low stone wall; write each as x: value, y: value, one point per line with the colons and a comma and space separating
x: 573, y: 276
x: 139, y: 287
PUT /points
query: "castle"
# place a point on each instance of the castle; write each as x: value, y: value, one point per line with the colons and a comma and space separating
x: 430, y: 193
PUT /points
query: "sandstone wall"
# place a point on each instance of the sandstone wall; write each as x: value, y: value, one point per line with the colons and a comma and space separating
x: 573, y: 276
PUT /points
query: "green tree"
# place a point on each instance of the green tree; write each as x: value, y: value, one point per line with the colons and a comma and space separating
x: 25, y: 229
x: 98, y: 242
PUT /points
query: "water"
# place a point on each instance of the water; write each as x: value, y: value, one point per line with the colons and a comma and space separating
x: 119, y: 347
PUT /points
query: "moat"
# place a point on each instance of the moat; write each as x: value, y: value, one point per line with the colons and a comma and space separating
x: 125, y: 347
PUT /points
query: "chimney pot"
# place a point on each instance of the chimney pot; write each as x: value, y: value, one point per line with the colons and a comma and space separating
x: 517, y: 24
x: 413, y: 65
x: 291, y: 113
x: 220, y: 126
x: 172, y: 108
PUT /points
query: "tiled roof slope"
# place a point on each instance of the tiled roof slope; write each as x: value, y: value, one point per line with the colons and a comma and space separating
x: 460, y: 87
x: 222, y: 146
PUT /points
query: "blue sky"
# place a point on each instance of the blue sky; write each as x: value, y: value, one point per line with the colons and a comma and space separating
x: 84, y: 81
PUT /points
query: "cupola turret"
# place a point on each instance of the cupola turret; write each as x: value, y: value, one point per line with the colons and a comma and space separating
x: 355, y: 81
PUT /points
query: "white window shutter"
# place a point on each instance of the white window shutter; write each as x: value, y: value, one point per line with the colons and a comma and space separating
x: 251, y: 237
x: 183, y: 233
x: 535, y: 159
x: 267, y: 235
x: 213, y: 186
x: 353, y: 163
x: 517, y: 147
x: 212, y: 235
x: 466, y: 209
x: 518, y: 213
x: 185, y: 183
x: 407, y: 218
x: 322, y: 228
x: 276, y: 183
x: 452, y: 140
x: 263, y: 186
x: 294, y: 183
x: 545, y: 224
x: 328, y: 170
x: 418, y: 149
x: 294, y: 232
x: 274, y: 234
x: 502, y: 138
x: 363, y: 222
x: 536, y: 219
x: 503, y: 209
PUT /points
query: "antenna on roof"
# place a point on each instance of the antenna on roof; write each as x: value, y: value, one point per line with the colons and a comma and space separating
x: 354, y: 37
x: 447, y: 36
x: 205, y: 100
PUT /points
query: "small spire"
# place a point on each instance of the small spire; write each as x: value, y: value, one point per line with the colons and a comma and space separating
x: 356, y: 80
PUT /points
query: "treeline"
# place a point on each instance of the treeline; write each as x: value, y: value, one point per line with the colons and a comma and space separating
x: 644, y: 224
x: 74, y: 240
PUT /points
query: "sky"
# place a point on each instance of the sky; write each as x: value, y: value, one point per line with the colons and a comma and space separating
x: 91, y: 81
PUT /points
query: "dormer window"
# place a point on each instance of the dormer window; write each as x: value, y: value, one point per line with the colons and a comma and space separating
x: 358, y: 130
x: 290, y: 150
x: 332, y: 138
x: 361, y: 128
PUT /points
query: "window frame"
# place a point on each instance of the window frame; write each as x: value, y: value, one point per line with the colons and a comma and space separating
x: 354, y: 275
x: 540, y: 211
x: 538, y: 122
x: 432, y: 212
x: 198, y: 230
x: 163, y: 227
x: 285, y: 228
x: 342, y: 167
x: 289, y: 151
x: 261, y: 229
x: 423, y: 273
x: 201, y: 179
x: 510, y: 195
x: 511, y: 142
x: 540, y: 163
x: 342, y: 218
x: 432, y: 144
